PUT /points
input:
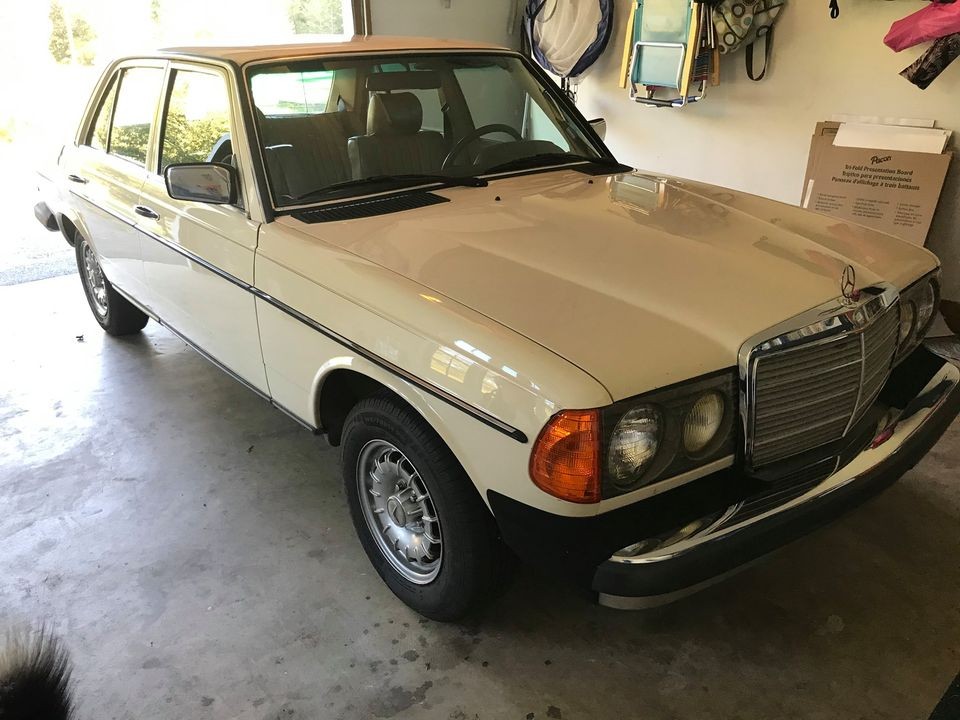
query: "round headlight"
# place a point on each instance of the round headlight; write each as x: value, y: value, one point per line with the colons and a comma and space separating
x: 908, y: 317
x: 702, y: 422
x: 926, y: 300
x: 634, y: 442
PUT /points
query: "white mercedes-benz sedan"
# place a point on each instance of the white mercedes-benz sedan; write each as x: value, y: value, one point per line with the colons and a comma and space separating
x: 423, y: 251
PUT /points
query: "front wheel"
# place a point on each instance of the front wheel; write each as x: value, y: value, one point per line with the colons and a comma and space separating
x: 114, y: 312
x: 419, y: 518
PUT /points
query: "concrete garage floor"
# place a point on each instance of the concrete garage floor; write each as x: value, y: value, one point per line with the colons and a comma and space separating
x: 192, y: 546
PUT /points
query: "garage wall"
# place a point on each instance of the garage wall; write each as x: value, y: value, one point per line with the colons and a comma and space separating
x: 756, y: 136
x: 489, y: 21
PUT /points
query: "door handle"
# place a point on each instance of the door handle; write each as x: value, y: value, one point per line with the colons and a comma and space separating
x: 77, y: 179
x: 146, y: 212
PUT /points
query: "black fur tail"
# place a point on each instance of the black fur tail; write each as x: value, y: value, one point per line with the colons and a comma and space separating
x: 35, y: 679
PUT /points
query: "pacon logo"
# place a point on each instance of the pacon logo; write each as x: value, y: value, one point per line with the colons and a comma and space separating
x: 876, y: 160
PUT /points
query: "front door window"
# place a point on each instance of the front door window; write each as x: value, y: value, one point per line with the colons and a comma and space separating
x: 196, y: 128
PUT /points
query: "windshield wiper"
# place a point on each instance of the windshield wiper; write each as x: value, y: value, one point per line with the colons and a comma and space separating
x: 392, y: 182
x: 555, y: 158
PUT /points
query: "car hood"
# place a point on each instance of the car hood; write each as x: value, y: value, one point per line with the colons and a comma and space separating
x: 638, y: 280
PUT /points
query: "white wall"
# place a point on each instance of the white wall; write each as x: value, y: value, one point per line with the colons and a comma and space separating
x: 482, y: 20
x: 756, y: 136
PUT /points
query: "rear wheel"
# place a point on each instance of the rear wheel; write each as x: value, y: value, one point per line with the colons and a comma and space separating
x: 419, y: 518
x: 114, y: 312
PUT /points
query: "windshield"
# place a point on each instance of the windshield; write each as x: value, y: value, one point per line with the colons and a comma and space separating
x: 343, y: 127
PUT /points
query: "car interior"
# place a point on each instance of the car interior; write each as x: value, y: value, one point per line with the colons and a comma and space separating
x: 375, y: 122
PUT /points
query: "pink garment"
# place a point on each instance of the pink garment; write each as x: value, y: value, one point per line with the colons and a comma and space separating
x: 929, y: 23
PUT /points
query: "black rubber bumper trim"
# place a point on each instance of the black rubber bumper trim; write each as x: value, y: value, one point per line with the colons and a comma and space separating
x: 724, y: 554
x: 575, y: 546
x: 46, y: 217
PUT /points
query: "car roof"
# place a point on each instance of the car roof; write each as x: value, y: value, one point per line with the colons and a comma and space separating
x: 324, y: 45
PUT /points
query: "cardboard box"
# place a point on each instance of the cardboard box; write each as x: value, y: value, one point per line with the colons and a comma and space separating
x: 895, y: 191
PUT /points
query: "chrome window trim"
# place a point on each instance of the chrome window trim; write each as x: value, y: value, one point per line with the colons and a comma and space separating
x: 823, y: 324
x: 85, y: 127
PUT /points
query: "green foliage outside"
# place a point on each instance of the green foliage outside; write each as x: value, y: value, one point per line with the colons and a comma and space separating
x: 324, y: 17
x: 155, y: 11
x: 70, y: 43
x: 59, y: 35
x: 83, y: 35
x: 192, y: 140
x: 184, y: 140
x: 7, y: 127
x: 130, y: 141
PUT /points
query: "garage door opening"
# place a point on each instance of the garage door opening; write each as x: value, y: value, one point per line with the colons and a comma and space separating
x: 62, y: 47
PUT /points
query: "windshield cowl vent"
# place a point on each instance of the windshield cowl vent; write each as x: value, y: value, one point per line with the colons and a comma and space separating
x: 369, y: 207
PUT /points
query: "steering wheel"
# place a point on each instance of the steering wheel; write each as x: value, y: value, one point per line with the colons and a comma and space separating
x: 463, y: 142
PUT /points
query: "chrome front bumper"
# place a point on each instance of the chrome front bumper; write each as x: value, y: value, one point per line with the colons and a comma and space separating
x: 725, y: 543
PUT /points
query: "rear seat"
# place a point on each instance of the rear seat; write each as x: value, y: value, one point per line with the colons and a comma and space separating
x: 306, y: 152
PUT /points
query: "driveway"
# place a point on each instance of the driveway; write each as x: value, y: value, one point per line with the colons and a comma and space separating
x: 27, y: 251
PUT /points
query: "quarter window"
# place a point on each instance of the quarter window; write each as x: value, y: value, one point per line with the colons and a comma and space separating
x: 197, y: 124
x: 100, y: 136
x: 133, y: 115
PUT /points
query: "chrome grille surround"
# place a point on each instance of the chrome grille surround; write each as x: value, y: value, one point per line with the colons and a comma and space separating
x: 807, y: 381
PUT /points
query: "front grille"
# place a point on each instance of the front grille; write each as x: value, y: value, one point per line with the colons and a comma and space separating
x: 808, y: 395
x: 879, y: 347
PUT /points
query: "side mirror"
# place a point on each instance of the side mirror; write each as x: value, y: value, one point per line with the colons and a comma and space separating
x: 599, y: 126
x: 214, y: 183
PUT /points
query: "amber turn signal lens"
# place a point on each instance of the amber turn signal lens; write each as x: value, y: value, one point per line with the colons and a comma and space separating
x: 566, y: 457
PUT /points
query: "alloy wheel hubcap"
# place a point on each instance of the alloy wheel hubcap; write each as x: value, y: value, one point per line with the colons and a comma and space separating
x: 399, y: 511
x: 94, y: 277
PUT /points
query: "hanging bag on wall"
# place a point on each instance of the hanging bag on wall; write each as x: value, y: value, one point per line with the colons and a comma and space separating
x: 742, y: 23
x: 934, y: 61
x: 567, y: 36
x: 929, y: 23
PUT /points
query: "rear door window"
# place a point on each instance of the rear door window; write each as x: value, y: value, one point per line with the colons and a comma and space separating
x: 133, y: 114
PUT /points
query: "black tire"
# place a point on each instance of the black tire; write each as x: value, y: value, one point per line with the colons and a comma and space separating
x: 116, y: 315
x: 468, y: 563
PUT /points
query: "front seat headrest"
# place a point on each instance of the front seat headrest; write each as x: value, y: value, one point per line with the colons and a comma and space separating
x: 394, y: 114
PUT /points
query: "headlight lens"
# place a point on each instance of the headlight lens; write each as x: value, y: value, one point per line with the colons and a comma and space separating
x: 668, y: 432
x: 634, y: 442
x: 702, y: 422
x: 908, y: 317
x: 926, y: 302
x: 918, y: 307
